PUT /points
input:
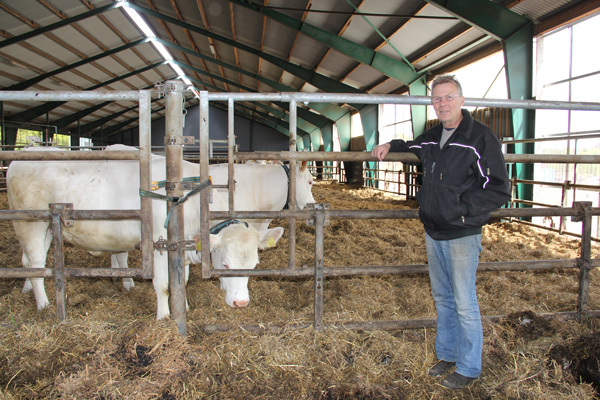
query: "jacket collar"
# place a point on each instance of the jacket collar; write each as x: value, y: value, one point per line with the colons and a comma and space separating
x: 465, y: 127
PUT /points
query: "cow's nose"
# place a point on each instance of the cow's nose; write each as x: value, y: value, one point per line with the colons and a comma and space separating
x: 240, y: 303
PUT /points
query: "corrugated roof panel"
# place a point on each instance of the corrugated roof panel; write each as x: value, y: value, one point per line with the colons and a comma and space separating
x: 270, y: 71
x: 416, y: 33
x: 102, y: 33
x: 362, y: 77
x: 291, y: 80
x: 330, y: 22
x: 279, y: 39
x: 308, y: 52
x: 335, y: 64
x: 540, y: 9
x: 25, y: 53
x: 119, y: 20
x: 248, y: 26
x: 215, y: 11
x: 467, y: 39
x: 387, y: 86
x: 360, y: 31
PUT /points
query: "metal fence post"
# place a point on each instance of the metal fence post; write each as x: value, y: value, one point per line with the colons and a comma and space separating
x: 175, y: 229
x: 56, y: 215
x: 584, y: 262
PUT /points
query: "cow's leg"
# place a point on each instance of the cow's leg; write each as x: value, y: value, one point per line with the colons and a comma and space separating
x: 186, y: 272
x: 161, y: 284
x: 119, y: 260
x: 35, y: 238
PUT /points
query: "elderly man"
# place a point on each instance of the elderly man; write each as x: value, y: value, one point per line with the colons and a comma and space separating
x: 464, y: 179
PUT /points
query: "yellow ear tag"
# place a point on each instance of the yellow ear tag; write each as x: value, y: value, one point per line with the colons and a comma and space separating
x: 154, y: 185
x: 271, y: 242
x: 199, y: 246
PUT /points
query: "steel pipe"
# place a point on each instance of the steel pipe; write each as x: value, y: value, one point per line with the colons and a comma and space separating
x: 68, y: 155
x: 307, y: 98
x: 403, y: 157
x: 87, y: 95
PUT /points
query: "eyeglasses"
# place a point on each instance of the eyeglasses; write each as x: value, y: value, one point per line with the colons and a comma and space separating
x: 448, y: 98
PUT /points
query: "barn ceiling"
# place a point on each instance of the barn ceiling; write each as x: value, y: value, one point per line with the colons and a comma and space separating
x: 349, y: 46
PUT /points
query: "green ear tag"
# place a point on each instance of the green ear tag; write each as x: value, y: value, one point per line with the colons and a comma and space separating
x: 199, y: 246
x: 271, y: 242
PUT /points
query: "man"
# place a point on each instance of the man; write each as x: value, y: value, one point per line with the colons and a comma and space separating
x: 464, y: 178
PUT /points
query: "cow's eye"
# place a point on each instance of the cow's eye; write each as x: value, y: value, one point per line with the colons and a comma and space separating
x: 225, y: 266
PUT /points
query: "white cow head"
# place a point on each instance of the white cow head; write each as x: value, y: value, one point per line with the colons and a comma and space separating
x: 236, y: 247
x: 304, y: 184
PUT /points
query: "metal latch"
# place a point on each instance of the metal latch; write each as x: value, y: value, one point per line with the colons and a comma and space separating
x: 170, y: 245
x: 178, y: 140
x: 62, y: 208
x: 318, y: 207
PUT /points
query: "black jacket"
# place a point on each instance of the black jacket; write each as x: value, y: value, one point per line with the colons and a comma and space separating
x: 462, y: 182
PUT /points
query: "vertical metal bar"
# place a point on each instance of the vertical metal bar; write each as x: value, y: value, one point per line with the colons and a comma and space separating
x: 563, y: 201
x: 230, y: 152
x: 585, y: 259
x: 319, y: 254
x: 292, y: 185
x: 175, y: 228
x: 147, y: 246
x: 204, y: 194
x: 59, y: 261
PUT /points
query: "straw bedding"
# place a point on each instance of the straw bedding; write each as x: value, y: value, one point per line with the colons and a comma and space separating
x: 111, y: 346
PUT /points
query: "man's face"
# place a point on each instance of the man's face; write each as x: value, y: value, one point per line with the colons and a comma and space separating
x: 447, y: 110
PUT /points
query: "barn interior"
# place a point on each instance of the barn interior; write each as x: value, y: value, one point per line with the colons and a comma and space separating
x: 375, y: 48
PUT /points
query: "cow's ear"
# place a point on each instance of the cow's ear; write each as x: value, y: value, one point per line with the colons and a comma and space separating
x: 214, y: 241
x: 303, y: 165
x: 270, y: 237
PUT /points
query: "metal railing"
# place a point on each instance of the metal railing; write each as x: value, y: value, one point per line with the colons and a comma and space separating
x: 319, y: 214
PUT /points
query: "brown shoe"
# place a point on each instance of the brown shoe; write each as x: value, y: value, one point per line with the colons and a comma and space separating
x: 457, y: 381
x: 441, y: 367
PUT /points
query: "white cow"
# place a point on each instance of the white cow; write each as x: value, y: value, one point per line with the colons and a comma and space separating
x: 264, y: 187
x: 258, y: 187
x: 89, y: 185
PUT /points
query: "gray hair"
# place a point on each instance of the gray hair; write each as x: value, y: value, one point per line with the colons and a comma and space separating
x: 438, y: 80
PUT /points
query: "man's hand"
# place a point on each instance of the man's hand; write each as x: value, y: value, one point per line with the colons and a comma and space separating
x: 379, y: 152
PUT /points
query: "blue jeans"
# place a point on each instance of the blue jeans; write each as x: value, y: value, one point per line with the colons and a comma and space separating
x: 452, y: 272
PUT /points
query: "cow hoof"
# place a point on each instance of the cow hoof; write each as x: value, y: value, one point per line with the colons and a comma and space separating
x: 128, y: 283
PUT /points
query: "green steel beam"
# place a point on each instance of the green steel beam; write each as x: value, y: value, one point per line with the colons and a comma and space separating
x: 101, y: 121
x: 283, y: 115
x: 282, y: 127
x: 302, y: 114
x: 344, y: 125
x: 30, y: 82
x: 418, y: 114
x: 404, y: 73
x: 280, y: 122
x: 497, y: 21
x: 315, y: 140
x: 369, y: 117
x: 35, y: 112
x: 330, y: 111
x: 327, y: 133
x: 320, y: 81
x: 518, y: 56
x: 71, y: 118
x: 60, y: 24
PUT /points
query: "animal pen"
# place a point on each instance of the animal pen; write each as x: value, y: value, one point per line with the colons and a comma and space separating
x: 318, y: 215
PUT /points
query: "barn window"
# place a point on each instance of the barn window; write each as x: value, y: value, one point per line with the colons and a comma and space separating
x: 568, y: 69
